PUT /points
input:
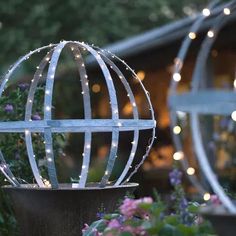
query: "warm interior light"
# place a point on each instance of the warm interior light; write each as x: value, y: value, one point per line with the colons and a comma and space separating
x: 141, y: 75
x: 96, y: 88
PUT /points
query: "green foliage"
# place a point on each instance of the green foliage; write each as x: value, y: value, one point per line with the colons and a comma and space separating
x: 151, y: 219
x: 30, y: 24
x: 14, y: 149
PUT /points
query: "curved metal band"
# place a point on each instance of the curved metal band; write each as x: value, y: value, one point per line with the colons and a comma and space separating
x: 28, y: 113
x: 178, y: 67
x: 195, y: 124
x: 114, y: 111
x: 6, y: 171
x: 135, y: 116
x: 87, y: 113
x: 151, y: 141
x: 48, y: 114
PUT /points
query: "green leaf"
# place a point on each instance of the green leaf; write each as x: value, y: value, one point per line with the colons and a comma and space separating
x: 169, y: 230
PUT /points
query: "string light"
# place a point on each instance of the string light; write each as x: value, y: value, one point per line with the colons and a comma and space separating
x: 58, y: 48
x: 114, y: 145
x: 26, y: 132
x: 178, y: 156
x: 235, y: 83
x: 233, y: 115
x: 210, y: 34
x: 177, y: 129
x: 206, y: 12
x: 192, y: 35
x: 227, y: 11
x: 176, y: 77
x: 190, y: 171
x: 48, y: 150
x: 207, y: 196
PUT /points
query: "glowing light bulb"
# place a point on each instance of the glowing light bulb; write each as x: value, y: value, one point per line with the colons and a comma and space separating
x: 207, y: 196
x: 88, y: 146
x: 192, y: 35
x: 178, y: 156
x: 227, y: 11
x: 177, y: 129
x: 210, y: 34
x: 49, y: 159
x: 48, y: 108
x: 48, y: 150
x: 190, y: 171
x: 119, y: 124
x: 233, y: 115
x: 26, y: 132
x: 176, y: 77
x: 206, y: 12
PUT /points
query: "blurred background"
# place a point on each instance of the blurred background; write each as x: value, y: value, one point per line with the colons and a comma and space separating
x: 147, y: 35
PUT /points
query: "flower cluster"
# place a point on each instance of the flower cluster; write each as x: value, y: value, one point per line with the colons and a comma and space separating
x: 144, y: 217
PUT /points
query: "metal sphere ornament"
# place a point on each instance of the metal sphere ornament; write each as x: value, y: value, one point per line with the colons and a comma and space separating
x: 47, y: 126
x: 200, y: 101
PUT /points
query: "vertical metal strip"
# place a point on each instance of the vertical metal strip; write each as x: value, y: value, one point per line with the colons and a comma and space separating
x: 87, y: 113
x: 6, y: 170
x: 28, y: 113
x: 114, y: 111
x: 48, y: 114
x: 135, y: 117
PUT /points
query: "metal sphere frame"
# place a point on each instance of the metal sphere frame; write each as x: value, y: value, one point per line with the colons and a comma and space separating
x: 194, y: 101
x: 88, y: 125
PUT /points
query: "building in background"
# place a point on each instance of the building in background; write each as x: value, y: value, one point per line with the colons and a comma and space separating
x: 151, y: 55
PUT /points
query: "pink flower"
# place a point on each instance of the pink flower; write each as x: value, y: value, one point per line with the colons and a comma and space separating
x: 128, y: 207
x: 86, y: 226
x: 215, y: 200
x: 114, y: 224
